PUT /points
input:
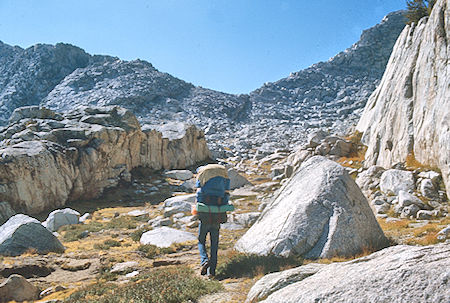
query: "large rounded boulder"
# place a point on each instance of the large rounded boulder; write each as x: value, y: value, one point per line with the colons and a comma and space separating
x: 22, y: 233
x: 319, y: 213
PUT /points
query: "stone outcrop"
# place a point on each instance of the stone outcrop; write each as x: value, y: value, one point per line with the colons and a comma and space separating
x: 166, y: 236
x: 396, y: 274
x: 408, y: 115
x: 320, y: 212
x: 49, y: 158
x: 22, y: 233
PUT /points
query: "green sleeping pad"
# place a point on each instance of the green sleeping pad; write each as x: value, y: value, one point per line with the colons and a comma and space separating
x: 203, y: 208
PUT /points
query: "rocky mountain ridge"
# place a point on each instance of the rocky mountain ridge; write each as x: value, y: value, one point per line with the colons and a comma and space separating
x: 328, y: 94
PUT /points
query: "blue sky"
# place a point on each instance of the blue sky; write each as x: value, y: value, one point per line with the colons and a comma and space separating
x: 231, y: 45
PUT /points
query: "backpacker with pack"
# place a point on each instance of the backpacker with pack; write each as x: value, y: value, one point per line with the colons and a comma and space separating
x: 212, y: 196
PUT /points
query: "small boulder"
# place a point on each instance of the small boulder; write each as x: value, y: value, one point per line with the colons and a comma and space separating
x: 407, y: 199
x: 409, y: 211
x: 432, y: 175
x: 6, y: 212
x: 178, y: 204
x: 85, y: 217
x: 125, y: 267
x: 236, y: 179
x: 178, y: 200
x: 323, y: 149
x: 428, y: 190
x: 17, y: 288
x: 166, y: 236
x: 424, y: 214
x: 316, y: 138
x: 176, y: 209
x: 21, y: 233
x: 61, y: 217
x: 138, y: 213
x: 383, y: 208
x: 394, y: 180
x: 341, y: 148
x: 444, y: 233
x: 188, y: 186
x: 367, y: 177
x: 246, y: 219
x: 182, y: 175
x: 160, y: 221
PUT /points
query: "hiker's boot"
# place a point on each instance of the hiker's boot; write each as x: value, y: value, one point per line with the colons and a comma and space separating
x: 204, y: 268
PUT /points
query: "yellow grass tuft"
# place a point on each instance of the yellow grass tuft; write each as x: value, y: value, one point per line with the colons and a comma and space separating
x: 365, y: 251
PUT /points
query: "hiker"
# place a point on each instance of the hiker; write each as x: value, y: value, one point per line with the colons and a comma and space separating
x: 212, y: 203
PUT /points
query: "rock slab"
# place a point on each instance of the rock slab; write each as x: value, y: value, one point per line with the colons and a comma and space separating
x: 21, y: 233
x: 396, y: 274
x: 275, y: 281
x: 166, y: 236
x: 319, y: 213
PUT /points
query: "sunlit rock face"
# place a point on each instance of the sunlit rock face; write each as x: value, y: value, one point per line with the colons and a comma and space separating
x: 49, y: 158
x: 409, y: 113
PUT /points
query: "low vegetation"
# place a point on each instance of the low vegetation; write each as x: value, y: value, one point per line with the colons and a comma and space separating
x: 107, y: 244
x: 247, y: 265
x: 78, y: 231
x: 150, y: 251
x: 166, y: 285
x: 409, y: 232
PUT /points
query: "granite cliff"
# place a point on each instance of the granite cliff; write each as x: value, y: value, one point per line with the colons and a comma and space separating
x: 408, y: 115
x: 48, y: 159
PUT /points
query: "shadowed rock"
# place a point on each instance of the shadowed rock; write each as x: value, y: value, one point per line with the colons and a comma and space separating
x: 22, y: 233
x: 17, y: 288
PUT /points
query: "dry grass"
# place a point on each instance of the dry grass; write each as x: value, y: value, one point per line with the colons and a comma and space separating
x: 404, y: 231
x: 357, y: 157
x: 335, y: 259
x: 412, y: 163
x: 239, y: 294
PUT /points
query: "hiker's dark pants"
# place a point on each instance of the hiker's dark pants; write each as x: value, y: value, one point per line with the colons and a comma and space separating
x: 213, y: 230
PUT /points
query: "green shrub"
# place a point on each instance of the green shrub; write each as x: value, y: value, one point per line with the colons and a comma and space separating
x: 150, y: 251
x: 165, y: 285
x: 417, y: 9
x: 136, y: 235
x: 75, y: 232
x: 246, y: 265
x: 107, y: 244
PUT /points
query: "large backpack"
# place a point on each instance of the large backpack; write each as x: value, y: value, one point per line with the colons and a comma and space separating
x: 212, y: 214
